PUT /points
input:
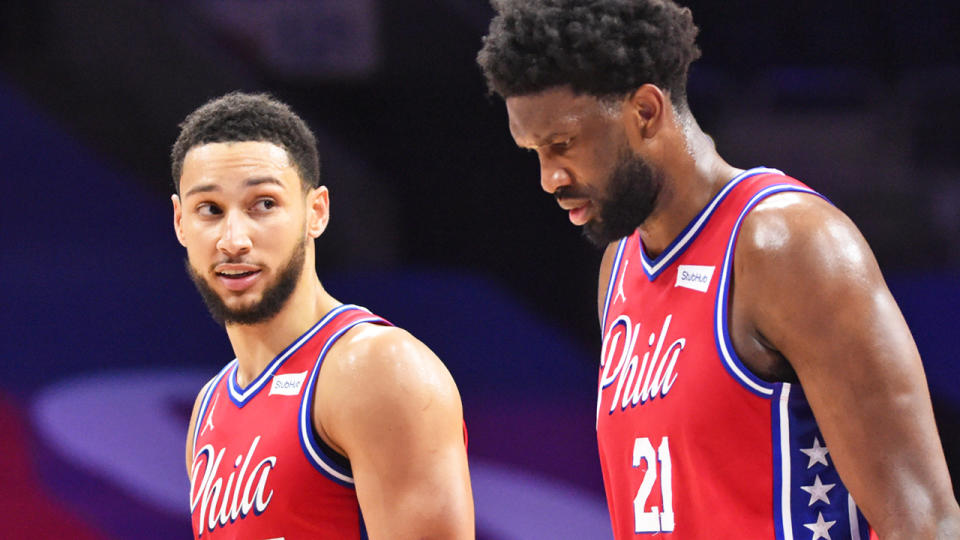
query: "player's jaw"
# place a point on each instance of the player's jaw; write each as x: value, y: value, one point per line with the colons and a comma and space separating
x: 629, y: 195
x: 239, y: 292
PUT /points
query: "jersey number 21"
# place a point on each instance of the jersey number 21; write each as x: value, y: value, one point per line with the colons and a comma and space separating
x: 653, y: 521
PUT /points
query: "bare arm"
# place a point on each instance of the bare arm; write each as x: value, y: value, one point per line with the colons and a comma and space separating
x: 389, y: 404
x: 812, y: 290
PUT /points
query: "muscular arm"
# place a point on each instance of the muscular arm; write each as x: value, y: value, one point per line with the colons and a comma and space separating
x: 809, y: 285
x: 389, y: 404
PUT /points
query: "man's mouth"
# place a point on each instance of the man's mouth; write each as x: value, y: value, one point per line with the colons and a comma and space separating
x: 233, y: 274
x: 576, y: 206
x: 237, y: 277
x: 578, y: 213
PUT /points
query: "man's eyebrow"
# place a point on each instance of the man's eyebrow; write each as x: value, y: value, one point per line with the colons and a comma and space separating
x: 536, y: 141
x: 202, y: 188
x: 206, y: 188
x: 549, y: 140
x: 262, y: 180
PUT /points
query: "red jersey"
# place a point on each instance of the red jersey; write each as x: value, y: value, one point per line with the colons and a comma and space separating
x: 692, y: 444
x: 259, y: 468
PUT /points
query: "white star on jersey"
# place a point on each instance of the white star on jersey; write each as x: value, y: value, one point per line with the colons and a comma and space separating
x: 818, y: 491
x: 817, y: 453
x: 821, y: 529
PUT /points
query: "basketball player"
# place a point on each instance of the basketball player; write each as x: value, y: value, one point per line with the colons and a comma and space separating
x: 330, y: 422
x: 757, y: 379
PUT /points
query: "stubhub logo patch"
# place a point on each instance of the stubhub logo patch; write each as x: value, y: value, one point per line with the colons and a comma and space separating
x: 287, y: 384
x: 694, y: 277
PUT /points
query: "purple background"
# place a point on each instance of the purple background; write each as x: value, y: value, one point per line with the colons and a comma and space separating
x: 438, y: 222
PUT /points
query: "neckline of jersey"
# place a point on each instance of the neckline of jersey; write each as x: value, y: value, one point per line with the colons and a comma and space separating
x: 655, y: 267
x: 241, y: 395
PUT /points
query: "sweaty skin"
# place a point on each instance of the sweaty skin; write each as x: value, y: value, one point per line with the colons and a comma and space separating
x: 383, y: 399
x: 807, y: 303
x: 386, y: 401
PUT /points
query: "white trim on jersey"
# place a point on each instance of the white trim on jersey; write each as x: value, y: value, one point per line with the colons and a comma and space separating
x: 668, y: 257
x: 208, y: 390
x: 614, y: 277
x: 241, y: 396
x: 727, y: 353
x: 785, y: 470
x: 614, y: 273
x: 305, y: 424
x: 854, y: 517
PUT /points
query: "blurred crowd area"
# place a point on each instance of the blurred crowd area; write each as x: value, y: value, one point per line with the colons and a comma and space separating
x: 438, y: 223
x: 856, y: 99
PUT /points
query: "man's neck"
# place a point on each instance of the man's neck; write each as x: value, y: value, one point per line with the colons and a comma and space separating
x: 256, y: 345
x: 694, y: 174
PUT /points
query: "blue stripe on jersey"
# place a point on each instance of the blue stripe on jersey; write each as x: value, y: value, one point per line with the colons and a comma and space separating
x: 809, y: 497
x: 312, y: 448
x: 208, y: 390
x: 614, y: 276
x: 241, y: 396
x: 780, y: 430
x: 653, y: 268
x: 808, y: 494
x: 614, y: 279
x: 731, y: 362
x: 363, y: 527
x: 859, y: 528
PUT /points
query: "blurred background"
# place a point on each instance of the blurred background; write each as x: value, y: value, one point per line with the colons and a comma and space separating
x: 438, y: 224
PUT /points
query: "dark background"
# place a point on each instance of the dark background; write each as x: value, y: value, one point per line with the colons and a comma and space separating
x: 438, y: 221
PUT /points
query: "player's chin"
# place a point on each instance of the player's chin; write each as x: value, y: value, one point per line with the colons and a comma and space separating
x: 598, y: 235
x: 241, y: 302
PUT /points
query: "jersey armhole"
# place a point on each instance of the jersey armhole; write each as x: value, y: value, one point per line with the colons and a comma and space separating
x: 612, y: 281
x: 731, y: 361
x: 325, y: 459
x: 207, y: 391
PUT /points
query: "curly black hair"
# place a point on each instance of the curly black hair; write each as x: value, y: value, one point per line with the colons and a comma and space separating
x: 604, y: 48
x: 237, y: 117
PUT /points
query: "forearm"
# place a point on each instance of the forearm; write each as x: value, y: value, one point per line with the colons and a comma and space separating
x: 917, y: 509
x: 919, y: 526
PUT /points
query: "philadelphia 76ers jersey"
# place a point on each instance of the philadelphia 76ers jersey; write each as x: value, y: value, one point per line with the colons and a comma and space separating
x: 692, y: 444
x: 259, y: 468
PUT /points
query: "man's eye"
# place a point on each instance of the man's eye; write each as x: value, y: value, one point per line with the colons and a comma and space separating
x: 207, y: 209
x: 264, y: 204
x: 561, y: 146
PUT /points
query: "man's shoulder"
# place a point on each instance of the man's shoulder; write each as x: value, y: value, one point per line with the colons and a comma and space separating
x: 800, y: 243
x: 793, y: 222
x: 368, y: 346
x: 379, y: 360
x: 377, y: 378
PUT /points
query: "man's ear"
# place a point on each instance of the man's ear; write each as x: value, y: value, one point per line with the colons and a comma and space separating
x: 646, y: 107
x: 177, y: 214
x: 318, y: 211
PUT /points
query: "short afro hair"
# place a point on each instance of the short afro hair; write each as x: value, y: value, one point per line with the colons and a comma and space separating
x: 604, y: 48
x: 238, y: 117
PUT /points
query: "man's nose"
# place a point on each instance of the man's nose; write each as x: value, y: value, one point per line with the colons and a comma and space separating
x: 552, y: 176
x: 234, y: 238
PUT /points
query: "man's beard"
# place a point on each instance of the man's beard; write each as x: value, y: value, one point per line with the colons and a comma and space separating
x: 630, y: 196
x: 271, y: 302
